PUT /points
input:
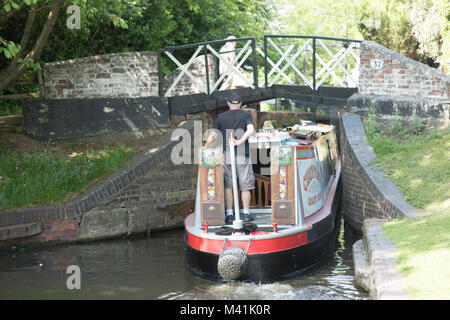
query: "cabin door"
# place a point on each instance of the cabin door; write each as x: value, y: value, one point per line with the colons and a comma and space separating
x: 211, y: 186
x: 282, y: 185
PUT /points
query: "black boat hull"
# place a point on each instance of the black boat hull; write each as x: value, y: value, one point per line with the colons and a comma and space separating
x: 279, y: 265
x: 266, y: 267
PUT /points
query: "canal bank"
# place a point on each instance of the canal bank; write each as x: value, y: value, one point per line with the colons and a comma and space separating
x: 374, y: 259
x: 148, y: 194
x: 370, y: 199
x: 418, y: 247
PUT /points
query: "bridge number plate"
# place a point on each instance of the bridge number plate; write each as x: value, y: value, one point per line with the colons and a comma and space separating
x: 376, y: 64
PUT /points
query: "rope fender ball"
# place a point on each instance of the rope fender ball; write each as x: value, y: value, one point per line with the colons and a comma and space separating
x: 232, y: 263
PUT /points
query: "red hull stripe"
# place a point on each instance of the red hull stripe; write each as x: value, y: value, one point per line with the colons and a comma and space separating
x: 255, y: 247
x: 303, y: 147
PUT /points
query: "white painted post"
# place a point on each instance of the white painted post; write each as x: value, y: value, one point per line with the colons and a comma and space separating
x: 237, y: 223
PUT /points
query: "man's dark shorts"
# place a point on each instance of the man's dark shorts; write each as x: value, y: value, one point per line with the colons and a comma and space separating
x: 244, y: 172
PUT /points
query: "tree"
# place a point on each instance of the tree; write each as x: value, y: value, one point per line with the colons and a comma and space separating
x: 19, y: 65
x: 416, y: 29
x: 109, y: 26
x: 430, y: 26
x: 321, y: 18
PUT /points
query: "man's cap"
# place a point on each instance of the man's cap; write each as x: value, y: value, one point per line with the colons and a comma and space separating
x: 235, y: 99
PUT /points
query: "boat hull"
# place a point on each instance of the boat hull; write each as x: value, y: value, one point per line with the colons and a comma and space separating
x: 266, y: 267
x: 277, y: 265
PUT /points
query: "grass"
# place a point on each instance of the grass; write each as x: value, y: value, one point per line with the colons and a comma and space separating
x: 418, y: 164
x: 423, y: 248
x: 51, y: 178
x: 10, y: 107
x: 417, y: 160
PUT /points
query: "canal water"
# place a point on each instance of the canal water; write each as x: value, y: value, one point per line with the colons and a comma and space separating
x: 153, y: 268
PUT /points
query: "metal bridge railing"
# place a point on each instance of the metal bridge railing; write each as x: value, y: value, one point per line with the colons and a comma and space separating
x: 303, y: 60
x: 233, y: 63
x: 326, y: 60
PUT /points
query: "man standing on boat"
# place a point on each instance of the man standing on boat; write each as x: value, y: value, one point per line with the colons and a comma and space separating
x: 239, y: 124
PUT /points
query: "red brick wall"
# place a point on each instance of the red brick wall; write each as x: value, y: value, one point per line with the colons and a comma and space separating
x: 398, y: 75
x: 117, y: 75
x: 62, y: 230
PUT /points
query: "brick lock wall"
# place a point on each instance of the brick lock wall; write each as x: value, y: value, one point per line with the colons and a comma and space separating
x: 117, y: 75
x: 399, y: 75
x: 151, y: 194
x: 367, y: 191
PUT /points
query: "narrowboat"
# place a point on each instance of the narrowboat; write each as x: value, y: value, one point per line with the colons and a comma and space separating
x: 294, y: 205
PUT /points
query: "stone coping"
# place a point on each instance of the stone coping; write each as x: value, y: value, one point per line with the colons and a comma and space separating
x: 374, y: 259
x: 434, y: 109
x: 101, y: 58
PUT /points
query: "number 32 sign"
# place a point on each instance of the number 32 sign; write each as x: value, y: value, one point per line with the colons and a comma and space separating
x: 376, y: 64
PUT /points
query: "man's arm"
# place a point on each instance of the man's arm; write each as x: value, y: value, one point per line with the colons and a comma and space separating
x: 250, y: 131
x: 212, y: 136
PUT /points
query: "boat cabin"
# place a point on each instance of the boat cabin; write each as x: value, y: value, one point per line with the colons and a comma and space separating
x: 293, y: 169
x: 295, y: 201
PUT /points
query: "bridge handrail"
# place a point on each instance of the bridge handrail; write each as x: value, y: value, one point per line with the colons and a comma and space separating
x: 313, y: 38
x: 206, y: 44
x: 193, y: 45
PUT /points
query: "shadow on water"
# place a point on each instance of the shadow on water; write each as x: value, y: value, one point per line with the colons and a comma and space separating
x: 153, y: 268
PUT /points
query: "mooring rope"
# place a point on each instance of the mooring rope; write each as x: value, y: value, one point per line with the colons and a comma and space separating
x: 228, y: 231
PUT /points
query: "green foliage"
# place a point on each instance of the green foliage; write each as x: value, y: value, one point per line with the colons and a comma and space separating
x: 417, y: 161
x: 10, y: 107
x: 371, y: 126
x: 416, y: 29
x: 325, y: 17
x: 44, y: 178
x: 8, y: 48
x: 396, y: 124
x: 416, y: 125
x: 109, y: 26
x: 444, y: 17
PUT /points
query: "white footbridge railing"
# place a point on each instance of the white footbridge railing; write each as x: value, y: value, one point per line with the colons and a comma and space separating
x: 310, y: 61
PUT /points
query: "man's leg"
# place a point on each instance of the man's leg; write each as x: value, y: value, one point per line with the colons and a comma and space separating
x: 229, y: 199
x: 246, y: 197
x: 229, y: 213
x: 246, y: 183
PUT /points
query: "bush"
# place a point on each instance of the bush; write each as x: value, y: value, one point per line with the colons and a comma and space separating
x: 416, y: 125
x: 397, y: 126
x: 371, y: 127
